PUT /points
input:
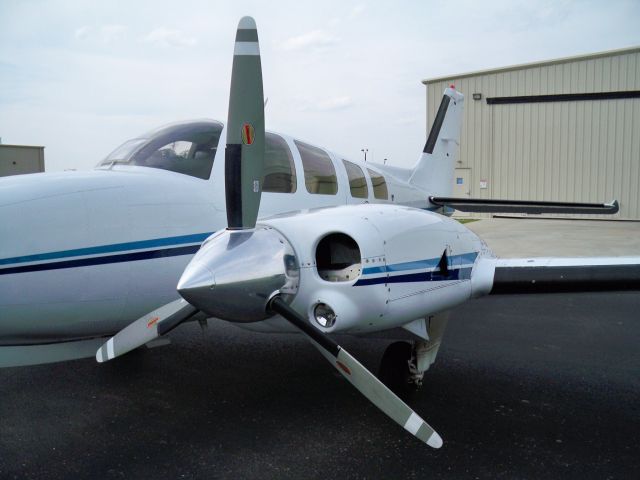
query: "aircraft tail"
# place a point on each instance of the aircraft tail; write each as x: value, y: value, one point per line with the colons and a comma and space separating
x: 434, y: 170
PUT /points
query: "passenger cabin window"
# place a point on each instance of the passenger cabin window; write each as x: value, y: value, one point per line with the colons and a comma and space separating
x: 357, y: 182
x: 279, y: 170
x: 319, y: 172
x: 379, y: 185
x: 187, y: 148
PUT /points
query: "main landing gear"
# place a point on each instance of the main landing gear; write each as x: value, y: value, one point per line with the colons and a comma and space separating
x: 403, y: 364
x: 395, y: 370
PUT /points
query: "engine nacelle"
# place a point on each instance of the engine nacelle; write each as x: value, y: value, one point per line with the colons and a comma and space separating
x: 353, y: 268
x: 374, y: 267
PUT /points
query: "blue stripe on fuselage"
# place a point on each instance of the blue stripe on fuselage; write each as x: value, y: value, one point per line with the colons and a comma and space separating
x: 174, y: 250
x: 113, y: 248
x: 176, y: 247
x: 104, y: 260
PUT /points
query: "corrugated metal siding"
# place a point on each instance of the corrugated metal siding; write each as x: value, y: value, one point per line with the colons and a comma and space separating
x: 587, y: 151
x: 20, y: 159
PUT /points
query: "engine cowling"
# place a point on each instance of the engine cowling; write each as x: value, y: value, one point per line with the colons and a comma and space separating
x: 377, y: 266
x: 352, y: 268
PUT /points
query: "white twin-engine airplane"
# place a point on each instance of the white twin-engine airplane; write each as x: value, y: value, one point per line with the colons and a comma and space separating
x: 286, y: 237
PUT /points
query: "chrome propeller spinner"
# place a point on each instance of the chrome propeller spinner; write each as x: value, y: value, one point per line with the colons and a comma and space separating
x: 237, y: 272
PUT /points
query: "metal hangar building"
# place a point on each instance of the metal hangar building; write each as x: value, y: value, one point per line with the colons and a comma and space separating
x: 559, y: 130
x: 19, y: 159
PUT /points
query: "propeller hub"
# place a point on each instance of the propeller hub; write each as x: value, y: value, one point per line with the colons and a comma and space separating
x: 235, y: 273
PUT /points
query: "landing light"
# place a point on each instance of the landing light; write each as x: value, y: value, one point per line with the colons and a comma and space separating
x: 324, y: 315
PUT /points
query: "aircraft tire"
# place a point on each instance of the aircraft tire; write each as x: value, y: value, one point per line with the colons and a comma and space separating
x: 394, y: 369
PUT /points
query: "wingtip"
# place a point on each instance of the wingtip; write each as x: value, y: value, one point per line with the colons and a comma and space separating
x: 614, y: 206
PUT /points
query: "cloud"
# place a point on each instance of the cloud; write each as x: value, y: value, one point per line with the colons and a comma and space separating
x: 315, y: 39
x: 82, y: 32
x: 167, y: 37
x: 408, y: 120
x: 357, y: 10
x: 335, y: 103
x: 110, y: 33
x: 105, y: 33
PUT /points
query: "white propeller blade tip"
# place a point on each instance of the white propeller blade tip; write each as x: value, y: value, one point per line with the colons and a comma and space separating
x: 247, y: 23
x: 435, y: 440
x: 105, y: 352
x: 414, y: 425
x: 100, y: 356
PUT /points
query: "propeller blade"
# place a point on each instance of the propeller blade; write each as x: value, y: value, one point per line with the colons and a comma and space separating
x: 361, y: 378
x: 146, y: 328
x: 244, y: 155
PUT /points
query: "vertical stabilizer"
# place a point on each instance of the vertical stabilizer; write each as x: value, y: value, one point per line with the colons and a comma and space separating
x: 434, y: 171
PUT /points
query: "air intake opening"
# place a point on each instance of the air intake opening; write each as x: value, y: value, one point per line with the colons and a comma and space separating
x: 338, y: 258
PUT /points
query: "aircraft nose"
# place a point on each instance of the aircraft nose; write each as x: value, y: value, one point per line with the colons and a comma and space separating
x: 235, y: 273
x: 195, y: 283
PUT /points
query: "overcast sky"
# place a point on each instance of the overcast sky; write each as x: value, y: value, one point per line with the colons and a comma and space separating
x: 82, y: 77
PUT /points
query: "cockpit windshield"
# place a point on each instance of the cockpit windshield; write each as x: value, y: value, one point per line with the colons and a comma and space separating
x: 188, y: 148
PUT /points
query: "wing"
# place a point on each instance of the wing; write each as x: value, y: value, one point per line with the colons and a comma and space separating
x: 485, y: 205
x: 549, y: 274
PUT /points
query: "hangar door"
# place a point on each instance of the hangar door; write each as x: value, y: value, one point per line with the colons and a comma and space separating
x: 581, y: 151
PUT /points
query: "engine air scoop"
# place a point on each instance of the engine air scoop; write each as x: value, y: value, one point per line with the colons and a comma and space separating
x: 235, y: 273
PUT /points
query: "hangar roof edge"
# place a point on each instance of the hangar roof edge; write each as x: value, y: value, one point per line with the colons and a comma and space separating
x: 20, y: 146
x: 573, y: 58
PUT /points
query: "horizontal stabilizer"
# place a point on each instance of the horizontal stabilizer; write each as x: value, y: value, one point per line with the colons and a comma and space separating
x: 482, y: 205
x: 553, y: 275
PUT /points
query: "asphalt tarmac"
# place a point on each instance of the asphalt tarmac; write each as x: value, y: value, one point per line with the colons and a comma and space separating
x: 524, y: 387
x: 527, y: 386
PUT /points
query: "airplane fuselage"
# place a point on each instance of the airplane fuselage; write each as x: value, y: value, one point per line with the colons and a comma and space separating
x: 85, y: 253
